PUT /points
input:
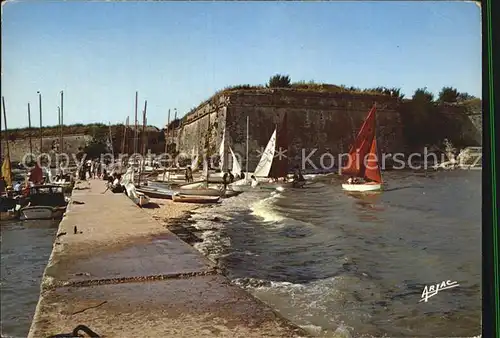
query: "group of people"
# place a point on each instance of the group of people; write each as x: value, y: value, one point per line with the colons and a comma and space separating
x: 35, y: 177
x: 114, y: 183
x: 92, y: 169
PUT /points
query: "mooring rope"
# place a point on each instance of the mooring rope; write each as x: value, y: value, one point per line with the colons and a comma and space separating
x: 76, y: 333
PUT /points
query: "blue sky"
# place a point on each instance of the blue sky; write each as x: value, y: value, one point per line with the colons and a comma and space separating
x: 177, y: 54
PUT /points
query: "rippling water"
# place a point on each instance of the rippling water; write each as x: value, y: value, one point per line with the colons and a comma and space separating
x: 342, y: 265
x: 336, y: 264
x: 25, y: 250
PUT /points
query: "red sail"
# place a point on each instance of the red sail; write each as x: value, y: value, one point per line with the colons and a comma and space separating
x: 361, y: 147
x: 279, y: 167
x: 372, y: 169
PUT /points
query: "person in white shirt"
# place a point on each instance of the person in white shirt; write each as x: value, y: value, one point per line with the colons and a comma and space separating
x: 254, y: 181
x: 17, y: 187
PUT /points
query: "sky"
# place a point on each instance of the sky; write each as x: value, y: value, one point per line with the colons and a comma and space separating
x: 178, y: 54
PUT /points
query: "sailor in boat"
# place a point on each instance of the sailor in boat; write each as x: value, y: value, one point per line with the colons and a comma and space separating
x: 188, y: 175
x: 231, y: 176
x: 242, y: 175
x: 298, y: 178
x: 225, y: 179
x: 354, y: 180
x: 18, y: 187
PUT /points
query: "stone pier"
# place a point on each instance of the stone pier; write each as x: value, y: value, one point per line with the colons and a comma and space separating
x: 116, y: 270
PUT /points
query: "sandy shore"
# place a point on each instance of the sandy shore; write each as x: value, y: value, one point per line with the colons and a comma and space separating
x: 166, y: 211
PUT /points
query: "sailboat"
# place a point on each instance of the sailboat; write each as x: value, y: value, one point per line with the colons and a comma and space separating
x: 236, y: 167
x: 364, y: 147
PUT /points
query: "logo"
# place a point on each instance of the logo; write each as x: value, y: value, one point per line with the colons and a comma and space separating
x: 432, y: 290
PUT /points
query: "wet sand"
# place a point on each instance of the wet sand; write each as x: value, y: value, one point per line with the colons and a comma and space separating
x: 122, y: 273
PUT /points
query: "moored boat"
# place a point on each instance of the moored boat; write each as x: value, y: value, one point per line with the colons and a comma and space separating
x: 138, y: 198
x: 154, y: 192
x: 178, y: 197
x: 41, y: 212
x: 208, y: 192
x: 45, y: 202
x: 363, y: 167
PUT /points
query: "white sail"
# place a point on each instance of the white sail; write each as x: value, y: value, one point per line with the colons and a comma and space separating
x: 221, y: 150
x: 266, y: 160
x: 236, y: 165
x: 194, y: 160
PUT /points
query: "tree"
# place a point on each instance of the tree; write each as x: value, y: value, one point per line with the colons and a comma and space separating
x: 279, y: 81
x: 423, y: 95
x: 448, y: 94
x: 465, y: 97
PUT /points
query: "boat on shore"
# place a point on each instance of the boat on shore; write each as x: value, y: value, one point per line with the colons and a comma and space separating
x: 44, y: 202
x: 208, y: 192
x: 154, y: 192
x: 363, y: 164
x: 138, y: 198
x: 179, y: 197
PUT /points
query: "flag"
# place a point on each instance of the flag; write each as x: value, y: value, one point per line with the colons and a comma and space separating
x: 6, y: 170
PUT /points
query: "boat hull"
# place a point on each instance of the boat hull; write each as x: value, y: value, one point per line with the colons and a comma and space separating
x: 41, y: 212
x: 362, y: 187
x: 195, y: 199
x: 207, y: 192
x: 156, y: 193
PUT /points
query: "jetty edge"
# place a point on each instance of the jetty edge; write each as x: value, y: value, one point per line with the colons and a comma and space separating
x: 118, y: 271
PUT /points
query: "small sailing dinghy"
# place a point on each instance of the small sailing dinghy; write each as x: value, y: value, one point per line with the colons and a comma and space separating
x: 137, y: 197
x: 178, y: 197
x: 155, y: 192
x: 367, y: 172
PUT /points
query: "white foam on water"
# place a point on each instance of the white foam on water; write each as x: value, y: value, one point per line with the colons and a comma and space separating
x: 264, y: 210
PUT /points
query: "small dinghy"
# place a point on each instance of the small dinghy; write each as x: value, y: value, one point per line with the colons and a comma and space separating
x: 208, y: 192
x: 155, y: 192
x: 178, y: 197
x: 138, y: 198
x: 45, y: 202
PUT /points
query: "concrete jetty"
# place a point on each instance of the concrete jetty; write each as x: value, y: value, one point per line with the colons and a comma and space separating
x: 116, y: 270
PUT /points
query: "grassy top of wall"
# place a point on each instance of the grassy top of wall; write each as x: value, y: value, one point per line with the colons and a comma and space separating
x: 73, y: 129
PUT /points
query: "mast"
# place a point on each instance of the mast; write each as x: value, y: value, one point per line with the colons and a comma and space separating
x: 6, y: 160
x: 141, y: 163
x: 40, y: 108
x: 246, y: 162
x: 125, y: 127
x: 167, y: 138
x: 175, y: 118
x: 62, y: 122
x: 111, y: 141
x: 60, y: 127
x: 144, y: 129
x: 29, y: 133
x: 5, y: 127
x: 135, y: 123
